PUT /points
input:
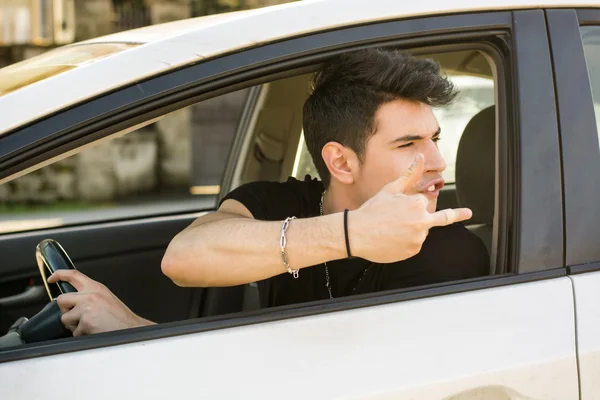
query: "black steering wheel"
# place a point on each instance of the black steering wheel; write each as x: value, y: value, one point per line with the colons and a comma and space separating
x: 51, y: 257
x: 47, y: 325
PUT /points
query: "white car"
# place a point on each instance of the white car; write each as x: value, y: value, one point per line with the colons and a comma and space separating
x: 529, y: 330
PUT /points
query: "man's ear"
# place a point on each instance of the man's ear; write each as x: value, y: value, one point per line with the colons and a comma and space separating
x: 341, y: 162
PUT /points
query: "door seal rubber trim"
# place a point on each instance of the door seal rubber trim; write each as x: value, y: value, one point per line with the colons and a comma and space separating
x: 583, y: 268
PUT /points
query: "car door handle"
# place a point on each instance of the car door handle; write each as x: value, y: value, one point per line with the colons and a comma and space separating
x: 31, y: 295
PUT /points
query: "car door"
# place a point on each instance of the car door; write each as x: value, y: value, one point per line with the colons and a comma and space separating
x: 575, y: 40
x: 509, y: 335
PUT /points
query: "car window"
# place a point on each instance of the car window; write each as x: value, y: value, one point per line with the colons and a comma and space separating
x: 476, y: 93
x: 591, y: 46
x: 173, y: 165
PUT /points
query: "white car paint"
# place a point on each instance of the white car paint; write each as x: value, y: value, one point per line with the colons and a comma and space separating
x: 514, y: 342
x: 587, y: 300
x: 214, y: 36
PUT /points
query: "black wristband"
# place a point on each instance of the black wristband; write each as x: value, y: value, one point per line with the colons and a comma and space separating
x: 346, y: 233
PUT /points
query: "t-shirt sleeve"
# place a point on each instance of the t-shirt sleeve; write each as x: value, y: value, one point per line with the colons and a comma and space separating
x: 268, y: 201
x: 252, y: 195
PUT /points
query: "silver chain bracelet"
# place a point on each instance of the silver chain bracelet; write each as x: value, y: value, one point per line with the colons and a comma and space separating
x: 282, y: 244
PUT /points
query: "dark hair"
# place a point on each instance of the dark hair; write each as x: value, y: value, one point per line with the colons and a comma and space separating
x: 349, y: 89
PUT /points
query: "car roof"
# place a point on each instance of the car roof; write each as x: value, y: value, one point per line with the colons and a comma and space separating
x: 160, y: 48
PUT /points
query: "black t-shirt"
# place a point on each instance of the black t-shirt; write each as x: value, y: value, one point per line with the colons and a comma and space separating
x: 449, y: 253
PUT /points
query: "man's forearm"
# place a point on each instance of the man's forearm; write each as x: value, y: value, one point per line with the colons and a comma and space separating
x: 235, y: 251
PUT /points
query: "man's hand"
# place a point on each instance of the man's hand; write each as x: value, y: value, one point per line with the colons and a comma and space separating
x: 392, y: 226
x: 94, y: 308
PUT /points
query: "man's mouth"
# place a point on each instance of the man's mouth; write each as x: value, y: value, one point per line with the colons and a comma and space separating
x: 432, y: 190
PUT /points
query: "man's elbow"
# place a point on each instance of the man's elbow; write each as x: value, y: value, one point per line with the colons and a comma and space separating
x: 180, y: 271
x: 169, y: 267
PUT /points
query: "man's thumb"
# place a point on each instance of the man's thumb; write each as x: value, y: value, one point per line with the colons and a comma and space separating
x: 410, y: 177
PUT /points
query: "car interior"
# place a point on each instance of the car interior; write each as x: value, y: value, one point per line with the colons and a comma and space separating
x: 271, y: 148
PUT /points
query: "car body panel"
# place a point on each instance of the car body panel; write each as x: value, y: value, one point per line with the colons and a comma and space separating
x: 574, y: 75
x: 587, y: 300
x: 463, y: 345
x: 53, y: 63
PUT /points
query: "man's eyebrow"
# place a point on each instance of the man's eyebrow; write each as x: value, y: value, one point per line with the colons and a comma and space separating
x: 410, y: 138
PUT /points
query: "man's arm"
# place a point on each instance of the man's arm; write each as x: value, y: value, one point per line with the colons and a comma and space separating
x: 230, y: 248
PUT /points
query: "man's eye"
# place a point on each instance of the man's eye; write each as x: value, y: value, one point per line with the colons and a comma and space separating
x: 405, y: 145
x: 437, y: 139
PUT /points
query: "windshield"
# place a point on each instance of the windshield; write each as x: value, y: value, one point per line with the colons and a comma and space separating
x: 54, y: 62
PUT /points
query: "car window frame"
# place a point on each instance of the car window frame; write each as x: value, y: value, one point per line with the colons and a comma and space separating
x: 579, y: 137
x: 106, y: 114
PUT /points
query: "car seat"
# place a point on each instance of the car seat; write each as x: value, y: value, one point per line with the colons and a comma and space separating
x: 475, y: 173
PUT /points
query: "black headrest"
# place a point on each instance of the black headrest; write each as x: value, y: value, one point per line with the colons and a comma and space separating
x: 475, y: 166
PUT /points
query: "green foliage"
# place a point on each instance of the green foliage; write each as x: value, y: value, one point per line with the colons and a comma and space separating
x: 24, y: 208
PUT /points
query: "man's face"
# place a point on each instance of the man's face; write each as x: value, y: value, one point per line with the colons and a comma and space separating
x: 403, y: 129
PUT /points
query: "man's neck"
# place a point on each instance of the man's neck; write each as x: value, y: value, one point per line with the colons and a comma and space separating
x: 337, y: 199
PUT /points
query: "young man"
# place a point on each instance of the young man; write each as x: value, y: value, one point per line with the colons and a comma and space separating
x: 370, y: 224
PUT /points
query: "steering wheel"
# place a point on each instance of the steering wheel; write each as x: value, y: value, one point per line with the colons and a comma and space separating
x: 47, y: 324
x: 51, y: 257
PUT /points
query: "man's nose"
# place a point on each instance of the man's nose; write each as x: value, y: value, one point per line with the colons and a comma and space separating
x: 433, y: 158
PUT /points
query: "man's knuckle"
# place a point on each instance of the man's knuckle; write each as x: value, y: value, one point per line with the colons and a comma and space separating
x: 85, y: 323
x: 450, y: 216
x: 88, y: 321
x: 417, y: 247
x: 95, y: 297
x: 66, y: 273
x: 413, y: 250
x: 415, y: 242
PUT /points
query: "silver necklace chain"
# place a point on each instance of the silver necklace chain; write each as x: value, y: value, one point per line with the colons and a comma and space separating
x: 327, y: 280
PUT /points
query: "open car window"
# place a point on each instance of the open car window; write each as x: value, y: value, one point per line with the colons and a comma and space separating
x: 177, y: 165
